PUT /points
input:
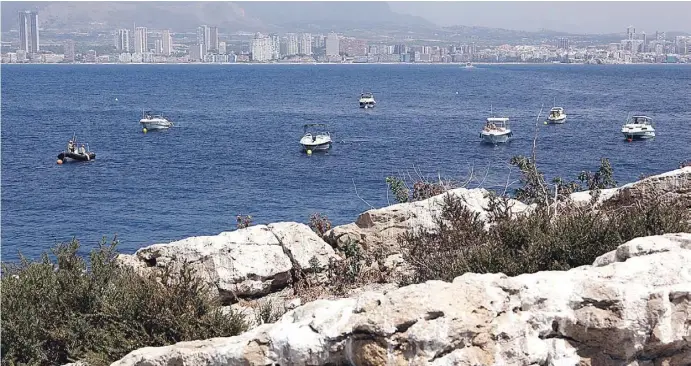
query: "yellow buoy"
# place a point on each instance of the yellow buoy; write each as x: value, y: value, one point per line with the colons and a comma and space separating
x: 144, y: 130
x: 59, y: 161
x: 545, y: 122
x: 309, y: 152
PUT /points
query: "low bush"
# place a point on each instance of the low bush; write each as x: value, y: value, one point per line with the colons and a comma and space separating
x: 64, y: 309
x: 243, y: 221
x: 530, y: 243
x: 319, y: 224
x: 542, y: 240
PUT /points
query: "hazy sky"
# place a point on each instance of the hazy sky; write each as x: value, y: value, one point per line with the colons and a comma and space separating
x: 575, y: 17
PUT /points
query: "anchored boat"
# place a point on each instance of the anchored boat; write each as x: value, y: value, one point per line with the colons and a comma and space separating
x: 315, y: 138
x: 367, y: 100
x: 152, y: 122
x: 76, y: 152
x: 496, y: 130
x: 556, y: 116
x: 638, y: 128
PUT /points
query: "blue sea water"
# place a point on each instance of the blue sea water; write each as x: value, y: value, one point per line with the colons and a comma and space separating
x: 235, y: 148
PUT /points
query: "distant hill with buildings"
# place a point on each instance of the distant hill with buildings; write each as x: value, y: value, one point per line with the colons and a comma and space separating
x: 229, y: 16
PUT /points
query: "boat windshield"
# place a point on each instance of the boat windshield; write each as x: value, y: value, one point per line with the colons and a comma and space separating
x: 643, y: 120
x: 366, y: 95
x: 496, y: 123
x: 316, y: 129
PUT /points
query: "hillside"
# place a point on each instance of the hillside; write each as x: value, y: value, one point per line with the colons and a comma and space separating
x: 229, y: 16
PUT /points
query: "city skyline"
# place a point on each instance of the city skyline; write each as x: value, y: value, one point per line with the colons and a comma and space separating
x: 146, y: 45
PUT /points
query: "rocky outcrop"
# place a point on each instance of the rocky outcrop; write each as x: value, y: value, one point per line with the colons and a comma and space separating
x: 672, y: 186
x: 632, y: 307
x: 245, y: 263
x: 378, y: 229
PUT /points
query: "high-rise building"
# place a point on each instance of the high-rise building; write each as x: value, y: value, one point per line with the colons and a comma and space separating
x: 166, y: 43
x: 275, y: 46
x: 563, y: 43
x: 196, y: 53
x: 318, y: 41
x: 28, y: 31
x: 261, y: 48
x: 305, y: 44
x: 140, y: 40
x: 204, y: 38
x: 644, y: 46
x: 158, y: 47
x: 332, y: 44
x: 222, y: 48
x: 122, y: 40
x: 213, y: 39
x: 291, y: 44
x: 69, y: 50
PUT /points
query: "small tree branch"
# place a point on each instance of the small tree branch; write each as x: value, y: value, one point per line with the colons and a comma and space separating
x: 358, y: 195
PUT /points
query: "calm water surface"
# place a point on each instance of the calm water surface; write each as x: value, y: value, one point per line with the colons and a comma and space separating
x: 236, y: 148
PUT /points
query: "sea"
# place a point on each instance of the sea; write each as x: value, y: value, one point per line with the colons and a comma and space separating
x: 234, y: 148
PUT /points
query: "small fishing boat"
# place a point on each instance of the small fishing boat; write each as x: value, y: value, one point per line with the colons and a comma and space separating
x: 556, y: 116
x: 151, y: 122
x: 638, y: 128
x: 367, y: 100
x: 315, y: 138
x: 496, y: 130
x: 76, y: 152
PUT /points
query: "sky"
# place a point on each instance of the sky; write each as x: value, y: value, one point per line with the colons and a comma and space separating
x: 574, y: 17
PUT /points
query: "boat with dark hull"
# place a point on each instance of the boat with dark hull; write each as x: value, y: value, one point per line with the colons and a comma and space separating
x: 70, y: 156
x: 75, y: 152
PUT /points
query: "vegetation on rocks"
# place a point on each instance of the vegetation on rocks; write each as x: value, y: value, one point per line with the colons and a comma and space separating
x: 556, y: 235
x: 422, y: 189
x: 63, y: 309
x: 319, y: 223
x: 243, y: 221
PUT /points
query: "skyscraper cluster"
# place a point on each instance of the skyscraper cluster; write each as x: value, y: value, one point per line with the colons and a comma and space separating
x: 28, y: 32
x: 272, y: 47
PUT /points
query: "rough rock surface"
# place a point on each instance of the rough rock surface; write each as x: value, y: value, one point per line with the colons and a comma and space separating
x: 674, y: 185
x: 379, y: 228
x: 245, y: 263
x: 633, y: 307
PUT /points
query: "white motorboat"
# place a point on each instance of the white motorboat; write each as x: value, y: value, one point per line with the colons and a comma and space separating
x: 638, y: 128
x: 496, y: 130
x: 152, y: 122
x: 556, y: 116
x: 367, y: 100
x: 316, y: 138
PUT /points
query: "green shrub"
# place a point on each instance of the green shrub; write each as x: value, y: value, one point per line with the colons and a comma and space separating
x: 63, y: 310
x: 319, y: 224
x: 531, y: 242
x: 243, y: 221
x: 542, y: 240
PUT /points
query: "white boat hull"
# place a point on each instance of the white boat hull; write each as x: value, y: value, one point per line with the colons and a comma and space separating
x: 638, y: 132
x: 556, y: 120
x: 151, y: 126
x: 495, y: 138
x: 638, y: 135
x: 318, y: 144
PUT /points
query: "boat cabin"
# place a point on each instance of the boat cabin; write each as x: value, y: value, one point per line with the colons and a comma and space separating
x: 316, y: 129
x: 556, y: 111
x: 496, y: 123
x: 641, y: 120
x: 366, y: 96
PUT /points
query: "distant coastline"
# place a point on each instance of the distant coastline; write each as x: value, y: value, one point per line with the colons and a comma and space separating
x: 462, y: 64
